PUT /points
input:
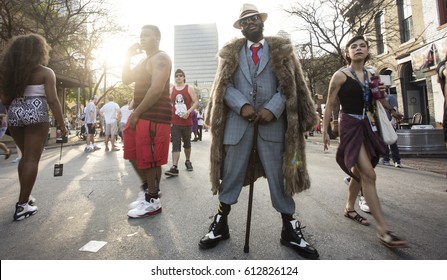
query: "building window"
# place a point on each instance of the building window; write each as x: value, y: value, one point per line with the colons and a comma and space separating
x: 442, y: 7
x: 405, y: 20
x: 380, y: 29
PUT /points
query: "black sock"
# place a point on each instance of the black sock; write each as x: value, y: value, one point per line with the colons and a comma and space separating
x: 151, y: 195
x: 286, y: 217
x: 224, y: 209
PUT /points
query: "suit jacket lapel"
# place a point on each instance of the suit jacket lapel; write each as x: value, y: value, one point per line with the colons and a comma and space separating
x: 243, y: 63
x: 265, y: 57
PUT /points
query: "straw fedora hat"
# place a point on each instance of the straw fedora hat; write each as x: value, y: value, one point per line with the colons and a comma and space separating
x: 249, y: 10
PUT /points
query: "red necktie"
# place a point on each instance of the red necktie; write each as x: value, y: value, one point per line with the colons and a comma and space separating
x: 254, y: 52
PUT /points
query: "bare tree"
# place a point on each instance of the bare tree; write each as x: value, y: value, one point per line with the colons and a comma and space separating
x: 331, y: 22
x: 317, y: 66
x: 9, y: 14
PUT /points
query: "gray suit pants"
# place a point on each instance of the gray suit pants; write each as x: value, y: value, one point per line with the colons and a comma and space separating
x: 235, y: 166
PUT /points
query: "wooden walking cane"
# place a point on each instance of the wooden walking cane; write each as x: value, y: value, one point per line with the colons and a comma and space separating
x: 252, y: 166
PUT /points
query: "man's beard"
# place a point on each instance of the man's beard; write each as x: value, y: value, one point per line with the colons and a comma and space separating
x: 252, y: 36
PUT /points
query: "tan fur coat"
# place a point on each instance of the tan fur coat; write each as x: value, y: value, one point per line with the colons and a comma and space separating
x: 301, y: 114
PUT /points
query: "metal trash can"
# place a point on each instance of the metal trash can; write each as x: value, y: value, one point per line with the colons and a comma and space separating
x: 421, y: 140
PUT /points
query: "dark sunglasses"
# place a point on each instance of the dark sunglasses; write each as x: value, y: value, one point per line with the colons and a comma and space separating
x: 245, y: 21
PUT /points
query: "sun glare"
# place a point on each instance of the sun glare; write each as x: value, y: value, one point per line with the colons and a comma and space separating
x: 135, y: 13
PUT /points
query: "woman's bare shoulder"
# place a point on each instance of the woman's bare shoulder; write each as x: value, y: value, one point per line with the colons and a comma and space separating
x: 41, y: 70
x: 46, y: 70
x: 340, y: 76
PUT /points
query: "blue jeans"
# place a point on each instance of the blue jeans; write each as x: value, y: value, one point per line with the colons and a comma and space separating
x: 394, y: 152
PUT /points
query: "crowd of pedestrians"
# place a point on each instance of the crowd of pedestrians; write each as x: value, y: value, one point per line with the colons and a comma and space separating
x: 259, y: 111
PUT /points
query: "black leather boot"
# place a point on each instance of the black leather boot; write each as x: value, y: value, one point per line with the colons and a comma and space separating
x: 291, y: 236
x: 218, y: 231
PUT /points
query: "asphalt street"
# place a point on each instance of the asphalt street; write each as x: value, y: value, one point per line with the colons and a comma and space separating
x: 88, y: 206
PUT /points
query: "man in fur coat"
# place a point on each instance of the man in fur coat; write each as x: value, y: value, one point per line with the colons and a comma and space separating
x: 260, y: 85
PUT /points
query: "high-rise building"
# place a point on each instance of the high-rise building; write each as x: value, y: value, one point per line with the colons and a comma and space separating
x: 195, y: 52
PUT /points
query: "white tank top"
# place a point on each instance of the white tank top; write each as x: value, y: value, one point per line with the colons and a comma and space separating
x: 34, y: 90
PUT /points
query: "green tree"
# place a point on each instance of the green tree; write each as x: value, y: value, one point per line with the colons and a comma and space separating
x: 73, y: 28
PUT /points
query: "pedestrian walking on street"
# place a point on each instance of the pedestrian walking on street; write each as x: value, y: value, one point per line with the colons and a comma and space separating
x: 90, y: 125
x: 200, y: 120
x: 147, y: 132
x: 360, y: 144
x: 112, y: 113
x: 28, y: 87
x: 184, y: 102
x: 393, y: 147
x: 259, y: 83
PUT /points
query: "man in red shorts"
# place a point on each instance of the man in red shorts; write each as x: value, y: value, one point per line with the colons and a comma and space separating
x: 147, y: 132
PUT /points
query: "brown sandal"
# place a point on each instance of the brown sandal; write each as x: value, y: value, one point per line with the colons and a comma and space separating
x: 391, y: 241
x: 359, y: 219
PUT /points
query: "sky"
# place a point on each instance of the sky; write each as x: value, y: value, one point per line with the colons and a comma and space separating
x: 133, y: 14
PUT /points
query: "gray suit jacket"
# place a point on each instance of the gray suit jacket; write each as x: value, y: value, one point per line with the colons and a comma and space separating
x: 269, y: 96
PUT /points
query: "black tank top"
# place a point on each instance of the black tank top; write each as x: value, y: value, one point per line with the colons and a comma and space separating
x: 351, y: 97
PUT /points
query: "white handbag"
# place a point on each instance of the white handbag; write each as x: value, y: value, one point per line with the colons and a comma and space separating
x: 389, y: 135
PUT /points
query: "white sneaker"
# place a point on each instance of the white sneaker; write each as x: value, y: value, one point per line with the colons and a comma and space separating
x: 398, y: 165
x: 141, y: 196
x: 145, y: 208
x: 363, y: 206
x: 23, y: 212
